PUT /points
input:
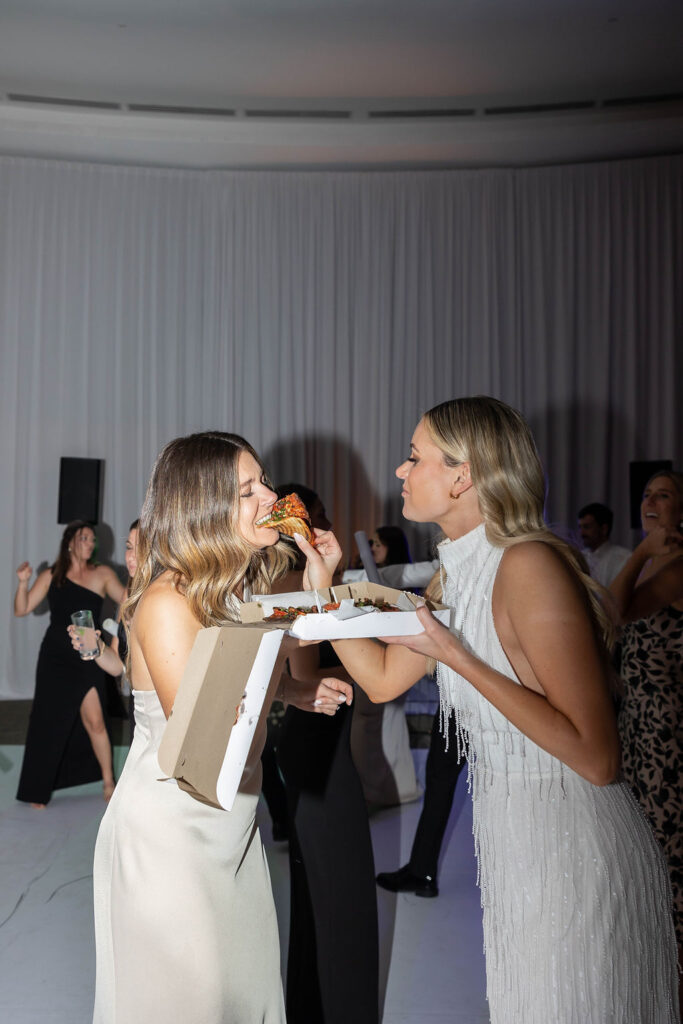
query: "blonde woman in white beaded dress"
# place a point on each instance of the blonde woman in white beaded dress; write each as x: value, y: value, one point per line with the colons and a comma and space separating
x: 576, y: 900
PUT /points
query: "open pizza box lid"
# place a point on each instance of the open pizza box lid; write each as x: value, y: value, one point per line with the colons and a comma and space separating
x: 210, y: 730
x: 348, y: 622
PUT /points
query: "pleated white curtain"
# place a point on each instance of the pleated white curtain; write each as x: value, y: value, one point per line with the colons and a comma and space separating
x: 318, y: 314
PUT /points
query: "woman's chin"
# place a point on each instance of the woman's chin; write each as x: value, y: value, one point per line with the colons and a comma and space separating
x: 412, y: 516
x: 265, y: 537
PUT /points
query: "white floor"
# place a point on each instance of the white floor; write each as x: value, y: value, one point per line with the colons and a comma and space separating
x: 431, y: 950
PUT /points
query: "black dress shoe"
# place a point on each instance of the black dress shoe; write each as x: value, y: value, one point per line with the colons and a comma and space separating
x: 404, y: 880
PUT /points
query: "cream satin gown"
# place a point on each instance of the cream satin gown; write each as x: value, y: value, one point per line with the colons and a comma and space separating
x: 185, y: 923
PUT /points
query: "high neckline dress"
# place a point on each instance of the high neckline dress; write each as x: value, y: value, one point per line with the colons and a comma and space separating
x: 575, y: 896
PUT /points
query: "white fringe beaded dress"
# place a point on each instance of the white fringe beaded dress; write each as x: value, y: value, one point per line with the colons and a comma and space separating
x: 575, y: 895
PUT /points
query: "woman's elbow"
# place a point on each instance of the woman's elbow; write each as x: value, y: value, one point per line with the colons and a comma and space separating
x: 599, y: 777
x: 604, y: 768
x: 376, y: 694
x: 375, y: 698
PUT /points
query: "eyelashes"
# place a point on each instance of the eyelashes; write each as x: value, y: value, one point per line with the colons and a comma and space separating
x: 250, y: 494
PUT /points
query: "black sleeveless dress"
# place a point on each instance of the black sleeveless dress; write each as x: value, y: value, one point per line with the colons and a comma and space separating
x: 333, y: 962
x: 58, y: 752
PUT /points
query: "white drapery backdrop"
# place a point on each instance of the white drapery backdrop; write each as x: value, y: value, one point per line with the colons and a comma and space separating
x: 318, y: 314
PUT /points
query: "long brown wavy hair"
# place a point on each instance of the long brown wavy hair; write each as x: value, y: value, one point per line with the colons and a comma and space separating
x: 63, y: 561
x: 508, y: 477
x: 189, y: 525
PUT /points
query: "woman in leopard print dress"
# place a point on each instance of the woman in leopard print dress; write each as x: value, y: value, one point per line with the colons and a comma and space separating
x: 649, y: 596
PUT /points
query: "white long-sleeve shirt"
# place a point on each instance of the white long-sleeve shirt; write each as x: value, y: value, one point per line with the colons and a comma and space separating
x: 403, y: 576
x: 606, y: 562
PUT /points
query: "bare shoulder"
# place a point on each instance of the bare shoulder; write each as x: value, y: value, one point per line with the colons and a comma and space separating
x: 531, y: 559
x: 535, y: 574
x: 163, y: 604
x: 108, y: 571
x: 103, y: 572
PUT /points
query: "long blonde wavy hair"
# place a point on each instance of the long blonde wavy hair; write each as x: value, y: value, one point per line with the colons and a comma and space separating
x: 189, y: 525
x: 508, y: 477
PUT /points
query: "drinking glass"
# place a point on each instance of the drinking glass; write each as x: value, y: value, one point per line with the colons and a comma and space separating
x: 85, y: 627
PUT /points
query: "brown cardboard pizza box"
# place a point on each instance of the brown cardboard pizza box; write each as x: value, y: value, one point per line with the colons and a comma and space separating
x: 220, y: 698
x: 331, y: 626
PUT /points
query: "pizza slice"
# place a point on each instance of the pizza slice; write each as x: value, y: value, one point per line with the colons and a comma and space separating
x: 288, y: 515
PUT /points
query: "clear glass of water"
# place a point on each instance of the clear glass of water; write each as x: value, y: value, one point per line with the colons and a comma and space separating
x: 85, y: 627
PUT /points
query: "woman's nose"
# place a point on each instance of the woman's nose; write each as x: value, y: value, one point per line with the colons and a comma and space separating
x: 402, y: 471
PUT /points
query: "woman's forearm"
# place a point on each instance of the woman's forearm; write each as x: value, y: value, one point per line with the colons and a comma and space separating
x: 21, y: 599
x: 382, y: 672
x: 622, y: 587
x: 109, y: 660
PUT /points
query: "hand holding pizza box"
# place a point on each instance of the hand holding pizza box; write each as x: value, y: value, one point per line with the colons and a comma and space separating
x: 347, y: 611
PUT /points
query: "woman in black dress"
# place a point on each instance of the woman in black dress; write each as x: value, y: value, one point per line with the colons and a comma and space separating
x: 333, y: 962
x: 67, y: 742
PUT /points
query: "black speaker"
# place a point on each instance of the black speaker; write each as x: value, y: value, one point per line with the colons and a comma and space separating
x: 80, y: 484
x: 639, y: 473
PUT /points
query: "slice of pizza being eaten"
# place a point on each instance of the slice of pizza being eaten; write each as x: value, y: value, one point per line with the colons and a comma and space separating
x: 289, y: 516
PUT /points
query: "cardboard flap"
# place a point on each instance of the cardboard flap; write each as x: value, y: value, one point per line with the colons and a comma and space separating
x: 224, y: 685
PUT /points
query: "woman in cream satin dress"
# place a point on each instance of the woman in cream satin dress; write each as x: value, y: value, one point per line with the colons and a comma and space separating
x: 184, y: 917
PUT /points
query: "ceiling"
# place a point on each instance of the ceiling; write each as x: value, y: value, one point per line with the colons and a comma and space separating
x: 340, y: 83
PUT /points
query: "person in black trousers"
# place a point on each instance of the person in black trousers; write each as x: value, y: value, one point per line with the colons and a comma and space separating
x: 444, y: 764
x: 333, y: 963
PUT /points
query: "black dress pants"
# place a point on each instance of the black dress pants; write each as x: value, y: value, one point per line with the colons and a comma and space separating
x: 441, y: 775
x: 332, y: 969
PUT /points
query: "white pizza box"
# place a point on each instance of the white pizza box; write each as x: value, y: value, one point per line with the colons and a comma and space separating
x: 348, y: 623
x: 210, y: 730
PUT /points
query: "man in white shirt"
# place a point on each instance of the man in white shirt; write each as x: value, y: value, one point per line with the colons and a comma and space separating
x: 605, y: 560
